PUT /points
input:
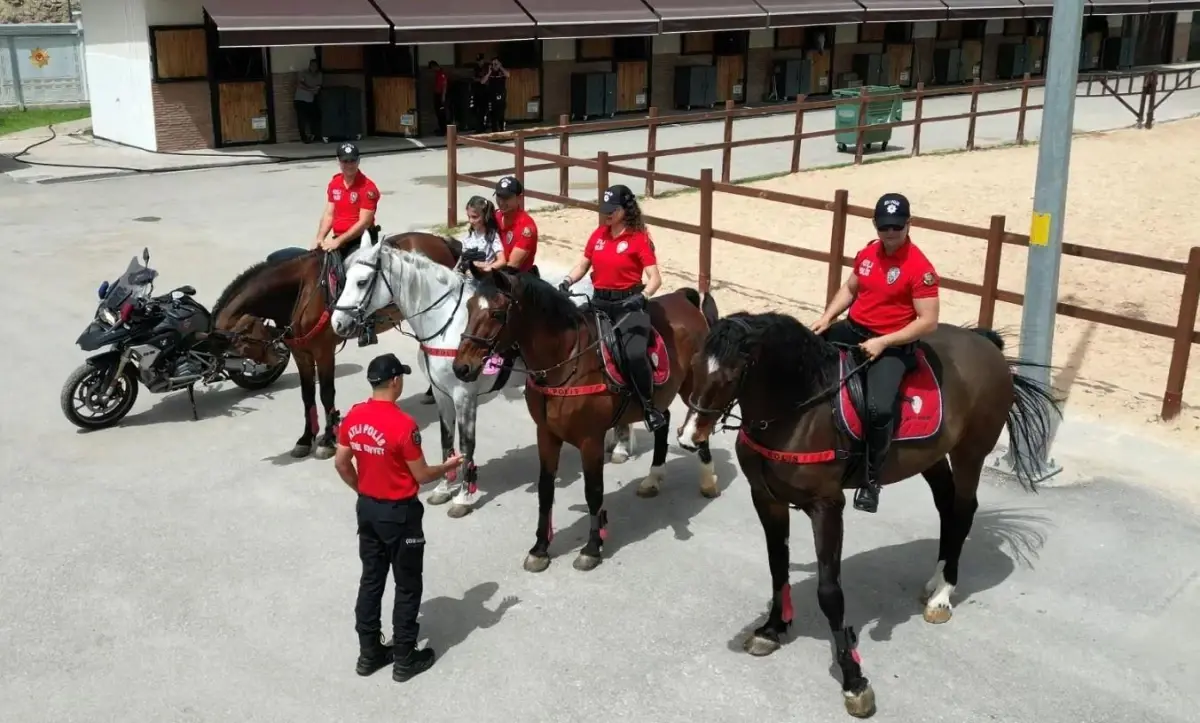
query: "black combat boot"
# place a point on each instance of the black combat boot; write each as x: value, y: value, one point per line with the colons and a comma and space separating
x: 412, y: 662
x: 866, y: 498
x: 374, y: 654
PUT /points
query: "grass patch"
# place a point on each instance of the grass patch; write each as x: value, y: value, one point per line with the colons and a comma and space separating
x: 13, y: 120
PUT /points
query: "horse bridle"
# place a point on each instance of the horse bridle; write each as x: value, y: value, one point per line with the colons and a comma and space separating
x: 358, y: 312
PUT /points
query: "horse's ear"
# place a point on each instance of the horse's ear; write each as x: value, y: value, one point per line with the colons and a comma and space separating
x: 477, y: 273
x: 504, y: 281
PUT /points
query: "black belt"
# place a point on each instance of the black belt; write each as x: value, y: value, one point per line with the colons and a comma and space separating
x: 383, y: 501
x: 615, y: 295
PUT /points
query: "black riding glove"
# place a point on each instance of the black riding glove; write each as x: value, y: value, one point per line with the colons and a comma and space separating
x: 564, y: 285
x: 635, y: 302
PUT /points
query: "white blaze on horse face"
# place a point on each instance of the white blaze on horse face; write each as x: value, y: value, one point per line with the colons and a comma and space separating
x: 714, y: 366
x: 483, y: 305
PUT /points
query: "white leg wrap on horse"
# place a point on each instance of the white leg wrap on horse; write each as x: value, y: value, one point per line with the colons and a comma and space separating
x: 939, y: 590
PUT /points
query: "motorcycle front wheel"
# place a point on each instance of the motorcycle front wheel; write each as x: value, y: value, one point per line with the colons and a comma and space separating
x: 254, y: 383
x: 82, y: 401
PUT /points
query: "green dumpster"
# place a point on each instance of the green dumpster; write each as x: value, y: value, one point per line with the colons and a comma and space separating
x: 888, y: 109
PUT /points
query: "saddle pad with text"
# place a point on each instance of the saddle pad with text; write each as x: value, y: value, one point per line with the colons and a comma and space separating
x: 660, y: 362
x: 920, y: 405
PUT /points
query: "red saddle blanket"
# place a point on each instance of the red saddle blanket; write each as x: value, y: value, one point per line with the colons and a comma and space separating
x: 920, y: 406
x: 660, y: 362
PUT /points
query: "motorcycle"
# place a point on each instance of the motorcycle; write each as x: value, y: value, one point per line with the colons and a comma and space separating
x: 165, y: 343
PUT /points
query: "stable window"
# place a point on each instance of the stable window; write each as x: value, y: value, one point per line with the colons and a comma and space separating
x: 974, y: 29
x: 731, y: 42
x: 631, y: 48
x: 179, y: 53
x: 390, y: 61
x: 239, y: 64
x: 696, y: 43
x: 594, y: 49
x: 897, y: 33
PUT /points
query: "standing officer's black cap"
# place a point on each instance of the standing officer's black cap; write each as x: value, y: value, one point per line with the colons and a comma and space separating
x: 384, y: 368
x: 508, y: 187
x: 892, y: 210
x: 348, y: 152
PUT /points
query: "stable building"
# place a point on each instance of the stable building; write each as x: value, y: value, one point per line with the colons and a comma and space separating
x: 173, y: 75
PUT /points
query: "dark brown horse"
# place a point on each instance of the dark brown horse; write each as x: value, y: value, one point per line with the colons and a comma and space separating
x: 574, y: 394
x: 799, y: 398
x: 296, y: 293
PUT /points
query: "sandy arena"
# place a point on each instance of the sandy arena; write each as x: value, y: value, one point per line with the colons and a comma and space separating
x: 1128, y: 191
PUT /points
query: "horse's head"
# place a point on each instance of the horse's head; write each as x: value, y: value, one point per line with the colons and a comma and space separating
x: 367, y: 289
x: 718, y: 370
x: 254, y: 339
x: 488, y: 315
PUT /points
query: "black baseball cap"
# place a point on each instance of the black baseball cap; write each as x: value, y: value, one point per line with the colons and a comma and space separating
x: 384, y: 368
x: 347, y: 152
x: 615, y: 197
x: 892, y: 210
x: 508, y: 187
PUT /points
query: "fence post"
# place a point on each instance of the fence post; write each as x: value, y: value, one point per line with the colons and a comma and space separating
x: 917, y: 112
x: 862, y: 121
x: 564, y: 149
x: 726, y: 150
x: 1024, y: 107
x: 1152, y: 100
x: 991, y: 272
x: 837, y: 244
x: 18, y: 93
x: 651, y: 149
x: 706, y: 206
x: 1184, y: 330
x: 974, y: 110
x: 451, y: 176
x: 601, y: 181
x: 799, y: 132
x: 519, y: 156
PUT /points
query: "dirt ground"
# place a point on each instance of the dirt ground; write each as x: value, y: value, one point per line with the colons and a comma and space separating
x: 1131, y: 190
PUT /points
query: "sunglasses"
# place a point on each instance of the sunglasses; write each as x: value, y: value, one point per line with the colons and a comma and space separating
x: 890, y: 228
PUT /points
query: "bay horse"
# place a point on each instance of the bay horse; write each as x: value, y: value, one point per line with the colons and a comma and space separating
x: 575, y: 389
x: 295, y: 290
x: 801, y: 405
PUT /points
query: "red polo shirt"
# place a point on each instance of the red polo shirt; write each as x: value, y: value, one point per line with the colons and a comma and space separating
x: 887, y: 285
x: 440, y: 82
x: 618, y: 263
x: 349, y: 200
x: 384, y: 440
x: 518, y: 231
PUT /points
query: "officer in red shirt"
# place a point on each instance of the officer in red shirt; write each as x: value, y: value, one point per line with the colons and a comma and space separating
x: 892, y: 295
x: 351, y: 200
x: 441, y: 84
x: 624, y: 269
x: 518, y: 231
x: 379, y: 456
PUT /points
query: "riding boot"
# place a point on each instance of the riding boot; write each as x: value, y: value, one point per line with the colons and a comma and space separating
x: 374, y: 654
x: 879, y: 439
x: 641, y: 380
x: 411, y: 662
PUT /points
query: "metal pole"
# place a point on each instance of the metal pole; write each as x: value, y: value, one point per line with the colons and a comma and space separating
x: 1049, y: 205
x: 18, y: 91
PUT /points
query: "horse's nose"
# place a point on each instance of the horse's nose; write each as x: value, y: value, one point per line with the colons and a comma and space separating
x: 462, y: 371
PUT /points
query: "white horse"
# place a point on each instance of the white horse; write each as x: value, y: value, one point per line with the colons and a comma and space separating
x: 432, y: 299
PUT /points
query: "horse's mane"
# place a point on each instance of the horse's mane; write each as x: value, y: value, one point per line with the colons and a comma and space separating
x: 243, y: 279
x: 791, y: 354
x: 553, y: 307
x: 425, y: 265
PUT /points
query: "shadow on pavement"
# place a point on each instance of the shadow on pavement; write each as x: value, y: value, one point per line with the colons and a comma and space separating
x: 447, y: 622
x: 883, y: 585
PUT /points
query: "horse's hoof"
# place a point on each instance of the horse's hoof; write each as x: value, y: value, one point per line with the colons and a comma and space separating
x: 533, y: 563
x: 937, y: 615
x: 300, y: 451
x: 586, y: 563
x: 439, y: 497
x: 323, y: 452
x: 759, y: 646
x: 710, y: 490
x: 648, y: 488
x: 458, y: 511
x: 618, y: 457
x: 860, y: 705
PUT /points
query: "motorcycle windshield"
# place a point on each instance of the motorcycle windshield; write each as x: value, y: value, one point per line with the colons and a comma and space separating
x: 132, y: 284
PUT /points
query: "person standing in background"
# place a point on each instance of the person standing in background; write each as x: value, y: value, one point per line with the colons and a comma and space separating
x: 441, y: 85
x: 496, y: 81
x: 308, y: 85
x: 479, y: 94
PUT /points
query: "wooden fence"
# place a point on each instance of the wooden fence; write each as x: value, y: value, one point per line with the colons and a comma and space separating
x: 1183, y: 332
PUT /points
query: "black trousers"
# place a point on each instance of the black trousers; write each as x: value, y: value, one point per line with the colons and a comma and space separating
x: 632, y: 329
x: 439, y: 110
x: 499, y: 106
x: 883, y: 377
x: 308, y: 119
x: 390, y: 536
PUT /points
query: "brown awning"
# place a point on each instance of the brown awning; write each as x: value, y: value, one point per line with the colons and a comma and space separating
x: 793, y: 13
x: 681, y: 16
x: 1118, y: 8
x: 259, y: 23
x: 880, y: 11
x: 585, y: 19
x: 1043, y: 8
x: 457, y: 21
x: 984, y: 9
x: 1173, y: 6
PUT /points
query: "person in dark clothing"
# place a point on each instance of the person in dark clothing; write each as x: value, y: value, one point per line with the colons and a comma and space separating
x: 497, y: 85
x: 441, y: 86
x: 379, y: 456
x: 892, y: 297
x: 479, y: 94
x: 620, y: 255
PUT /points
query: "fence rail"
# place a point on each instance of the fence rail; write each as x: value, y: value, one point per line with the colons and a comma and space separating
x: 1183, y: 333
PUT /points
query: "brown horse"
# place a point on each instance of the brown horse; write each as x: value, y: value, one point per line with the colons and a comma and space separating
x: 575, y: 392
x: 296, y: 291
x: 800, y: 399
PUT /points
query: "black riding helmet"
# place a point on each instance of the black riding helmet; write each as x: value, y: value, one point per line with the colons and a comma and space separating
x: 348, y: 152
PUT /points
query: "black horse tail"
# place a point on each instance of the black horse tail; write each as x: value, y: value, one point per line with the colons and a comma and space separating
x: 706, y: 304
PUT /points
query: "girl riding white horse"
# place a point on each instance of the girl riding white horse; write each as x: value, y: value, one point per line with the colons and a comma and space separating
x: 432, y: 299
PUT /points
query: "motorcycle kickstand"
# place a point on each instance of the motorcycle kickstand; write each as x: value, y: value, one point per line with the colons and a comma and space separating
x: 192, y: 399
